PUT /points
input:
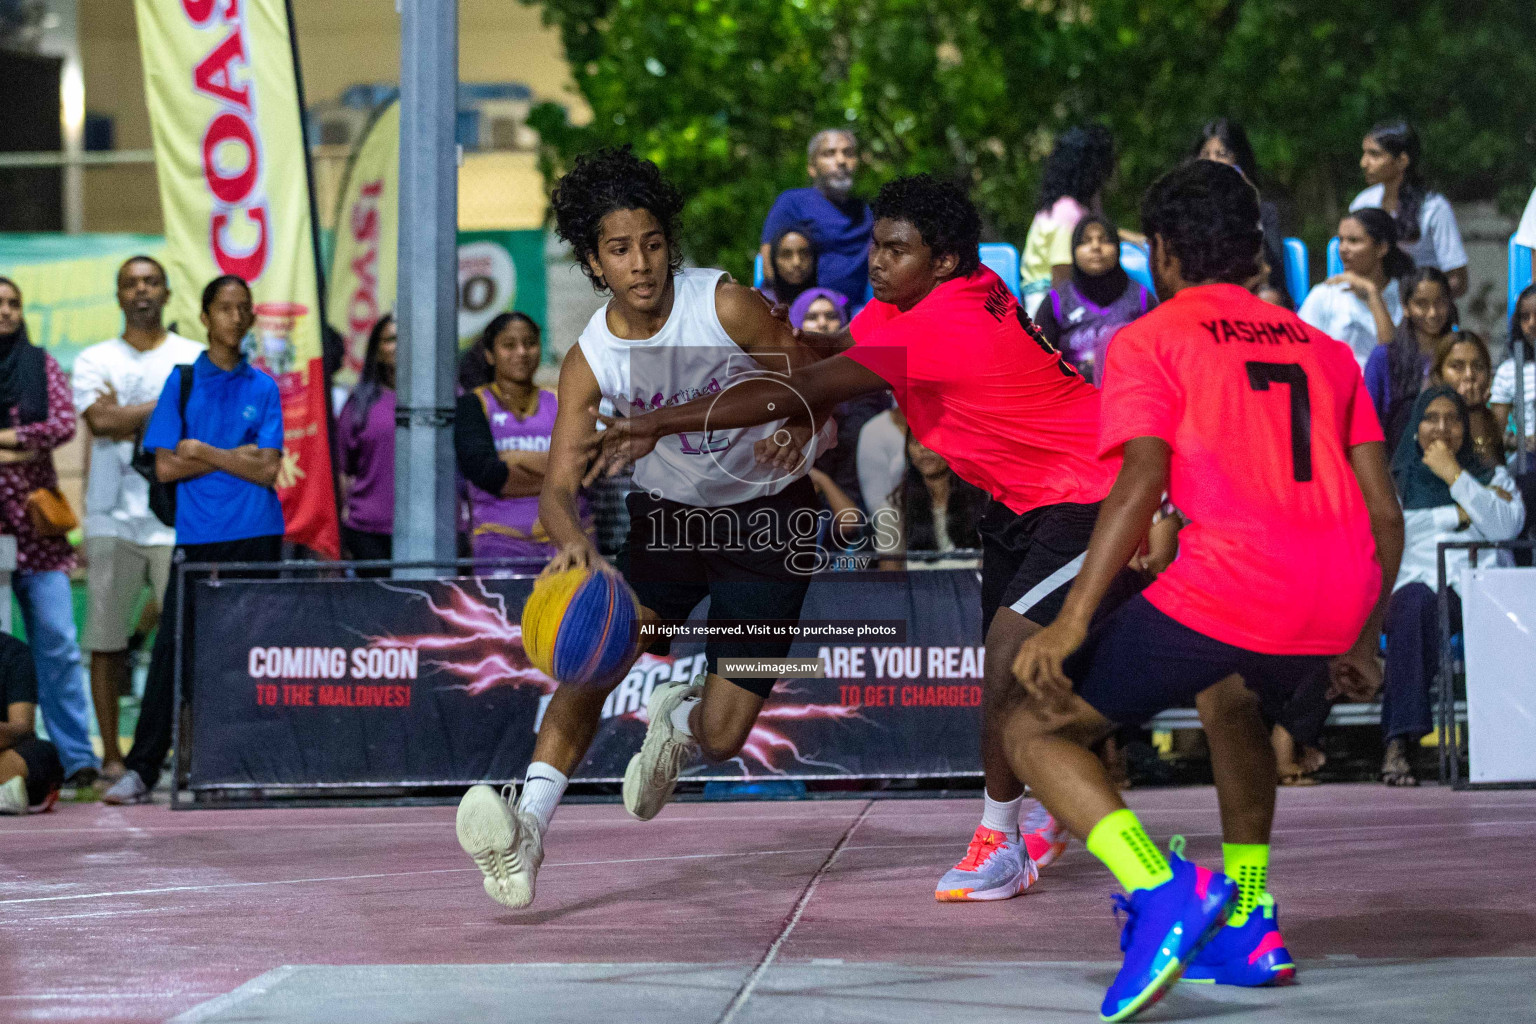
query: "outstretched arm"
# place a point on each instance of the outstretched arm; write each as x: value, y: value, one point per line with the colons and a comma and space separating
x: 819, y: 386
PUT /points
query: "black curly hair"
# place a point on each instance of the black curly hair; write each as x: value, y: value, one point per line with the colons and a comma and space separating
x: 608, y: 180
x: 1207, y: 213
x: 1079, y: 165
x: 942, y: 213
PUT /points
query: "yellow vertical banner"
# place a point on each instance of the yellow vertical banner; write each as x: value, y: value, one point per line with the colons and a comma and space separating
x: 224, y: 105
x: 361, y: 283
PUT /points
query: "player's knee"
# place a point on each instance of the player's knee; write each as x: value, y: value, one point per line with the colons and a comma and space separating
x: 1227, y: 699
x: 1028, y: 719
x: 720, y: 736
x: 721, y: 743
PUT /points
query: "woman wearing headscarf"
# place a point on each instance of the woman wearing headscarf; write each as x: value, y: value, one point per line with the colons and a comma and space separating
x: 1448, y: 494
x: 819, y: 310
x: 792, y: 255
x: 1081, y: 314
x: 37, y: 415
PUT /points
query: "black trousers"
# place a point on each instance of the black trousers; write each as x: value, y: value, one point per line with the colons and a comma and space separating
x: 365, y: 546
x: 152, y: 737
x: 1413, y: 660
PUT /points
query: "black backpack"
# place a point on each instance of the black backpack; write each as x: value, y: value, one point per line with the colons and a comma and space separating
x: 162, y: 496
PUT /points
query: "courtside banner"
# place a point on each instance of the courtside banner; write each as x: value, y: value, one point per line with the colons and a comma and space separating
x: 361, y: 282
x: 224, y: 105
x: 394, y: 682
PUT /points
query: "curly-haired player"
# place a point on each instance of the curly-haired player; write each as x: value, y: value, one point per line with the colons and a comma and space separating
x: 982, y: 387
x: 665, y: 336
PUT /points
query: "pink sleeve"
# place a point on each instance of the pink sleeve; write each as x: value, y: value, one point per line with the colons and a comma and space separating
x: 48, y: 434
x: 879, y: 345
x: 1139, y: 399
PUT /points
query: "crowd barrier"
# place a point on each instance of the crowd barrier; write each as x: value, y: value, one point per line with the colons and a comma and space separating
x: 314, y: 682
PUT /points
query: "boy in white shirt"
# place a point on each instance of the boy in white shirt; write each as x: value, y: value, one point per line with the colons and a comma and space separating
x: 116, y: 384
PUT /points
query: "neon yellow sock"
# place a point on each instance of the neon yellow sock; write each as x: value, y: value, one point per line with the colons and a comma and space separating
x: 1247, y: 864
x: 1125, y: 848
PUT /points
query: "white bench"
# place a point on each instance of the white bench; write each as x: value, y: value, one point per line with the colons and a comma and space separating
x: 1342, y: 714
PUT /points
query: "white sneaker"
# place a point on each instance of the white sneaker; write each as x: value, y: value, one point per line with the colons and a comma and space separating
x: 129, y: 789
x: 652, y: 773
x: 13, y: 796
x: 506, y: 846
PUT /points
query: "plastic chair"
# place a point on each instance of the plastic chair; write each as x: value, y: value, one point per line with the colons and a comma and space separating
x: 1298, y: 275
x: 1133, y: 260
x: 1003, y: 260
x: 1520, y: 273
x: 1335, y: 261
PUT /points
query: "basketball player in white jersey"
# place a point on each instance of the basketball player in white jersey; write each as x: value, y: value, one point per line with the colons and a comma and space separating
x: 697, y: 519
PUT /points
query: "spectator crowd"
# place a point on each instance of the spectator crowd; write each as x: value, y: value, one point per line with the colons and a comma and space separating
x: 186, y: 440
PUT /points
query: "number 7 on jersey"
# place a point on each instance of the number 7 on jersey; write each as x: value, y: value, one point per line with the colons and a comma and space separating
x: 1260, y: 377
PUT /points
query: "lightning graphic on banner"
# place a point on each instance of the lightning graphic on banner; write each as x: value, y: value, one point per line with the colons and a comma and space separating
x: 482, y: 645
x: 480, y: 626
x: 765, y: 744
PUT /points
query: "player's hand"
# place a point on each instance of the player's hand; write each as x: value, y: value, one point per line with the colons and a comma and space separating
x: 189, y: 448
x: 1441, y: 461
x: 784, y: 449
x: 1037, y: 667
x: 1162, y: 547
x: 578, y: 554
x: 623, y: 441
x: 778, y: 310
x: 1356, y: 674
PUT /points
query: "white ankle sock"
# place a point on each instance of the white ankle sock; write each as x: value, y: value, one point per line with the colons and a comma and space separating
x: 1001, y: 815
x: 680, y: 716
x: 542, y: 791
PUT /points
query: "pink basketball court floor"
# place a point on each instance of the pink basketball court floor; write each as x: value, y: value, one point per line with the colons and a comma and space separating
x: 1401, y: 905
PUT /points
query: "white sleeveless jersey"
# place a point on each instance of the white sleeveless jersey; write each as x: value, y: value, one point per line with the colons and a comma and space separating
x: 690, y: 357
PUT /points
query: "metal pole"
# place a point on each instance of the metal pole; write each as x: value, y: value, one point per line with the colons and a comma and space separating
x: 428, y: 267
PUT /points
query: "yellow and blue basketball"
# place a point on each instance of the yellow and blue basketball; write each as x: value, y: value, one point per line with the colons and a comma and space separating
x: 579, y: 626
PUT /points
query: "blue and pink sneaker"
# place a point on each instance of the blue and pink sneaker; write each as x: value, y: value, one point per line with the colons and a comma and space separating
x: 1251, y: 955
x: 1164, y: 928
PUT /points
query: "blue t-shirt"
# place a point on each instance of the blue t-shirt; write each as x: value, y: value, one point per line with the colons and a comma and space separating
x: 226, y: 409
x: 841, y: 235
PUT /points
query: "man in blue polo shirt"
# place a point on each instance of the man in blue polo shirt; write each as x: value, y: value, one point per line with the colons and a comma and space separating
x: 840, y: 224
x: 223, y: 457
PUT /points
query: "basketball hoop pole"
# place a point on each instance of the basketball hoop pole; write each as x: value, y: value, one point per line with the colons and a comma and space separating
x: 425, y: 523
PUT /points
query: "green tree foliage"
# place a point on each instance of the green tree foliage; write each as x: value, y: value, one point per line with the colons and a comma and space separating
x: 724, y: 94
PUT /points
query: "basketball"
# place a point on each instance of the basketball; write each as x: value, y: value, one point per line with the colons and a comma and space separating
x: 579, y: 626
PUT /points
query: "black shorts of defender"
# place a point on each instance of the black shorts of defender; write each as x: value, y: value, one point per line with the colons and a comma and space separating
x: 45, y: 773
x: 753, y: 560
x: 1138, y: 661
x: 1028, y: 561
